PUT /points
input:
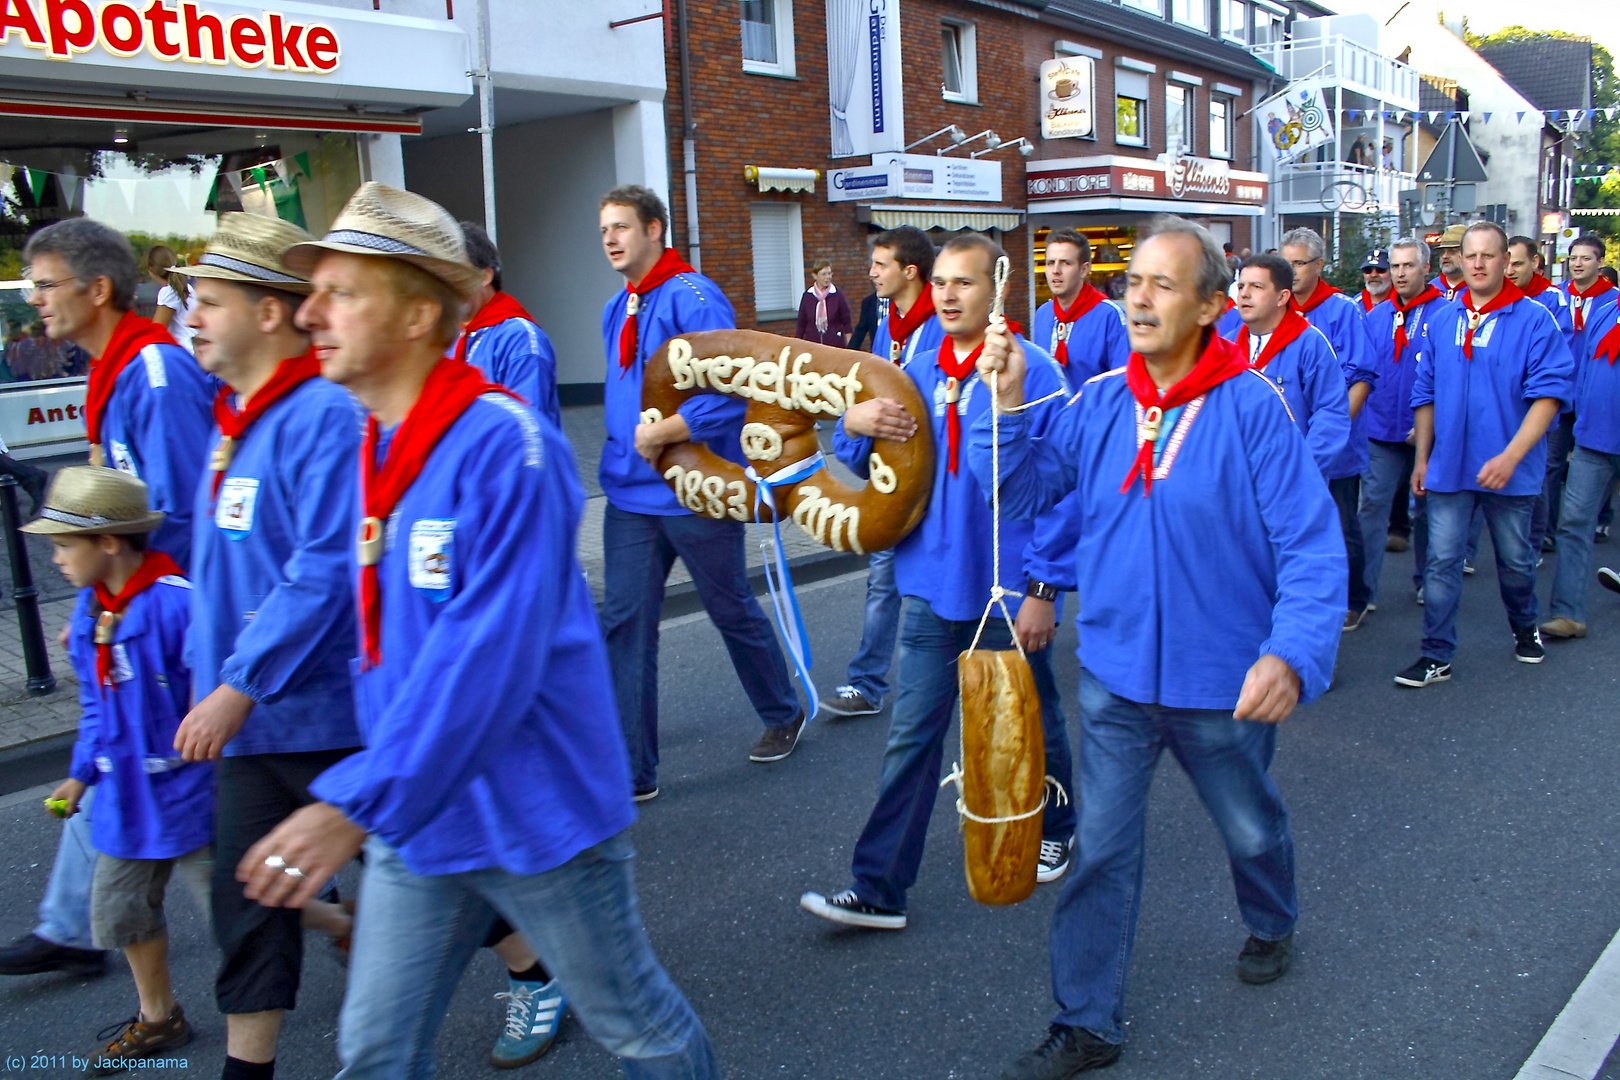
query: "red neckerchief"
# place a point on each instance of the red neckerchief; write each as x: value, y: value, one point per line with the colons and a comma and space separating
x: 1292, y: 326
x: 1230, y: 304
x: 1220, y: 361
x: 501, y: 306
x: 1538, y: 285
x: 1598, y: 288
x: 1452, y: 290
x: 1089, y: 298
x: 1367, y: 301
x: 1510, y: 292
x: 290, y: 374
x: 902, y: 327
x: 154, y: 565
x: 451, y: 387
x: 132, y: 334
x: 959, y: 371
x: 1608, y: 347
x: 1429, y: 293
x: 1323, y: 291
x: 668, y: 265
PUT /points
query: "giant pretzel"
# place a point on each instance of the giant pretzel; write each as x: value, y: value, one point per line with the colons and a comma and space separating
x: 789, y: 385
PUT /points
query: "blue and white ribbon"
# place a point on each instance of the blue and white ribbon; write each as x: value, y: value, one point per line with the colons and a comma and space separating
x: 777, y: 578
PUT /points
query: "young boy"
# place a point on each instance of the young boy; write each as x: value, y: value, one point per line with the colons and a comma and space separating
x: 154, y: 813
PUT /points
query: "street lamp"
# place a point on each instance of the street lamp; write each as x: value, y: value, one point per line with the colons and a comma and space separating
x: 958, y: 136
x: 991, y: 140
x: 1025, y: 147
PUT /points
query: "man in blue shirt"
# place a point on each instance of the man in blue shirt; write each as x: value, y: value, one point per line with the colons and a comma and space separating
x: 1524, y: 270
x: 493, y: 774
x: 1079, y: 327
x: 1495, y: 374
x: 645, y: 527
x: 501, y: 339
x: 1212, y: 585
x: 273, y: 629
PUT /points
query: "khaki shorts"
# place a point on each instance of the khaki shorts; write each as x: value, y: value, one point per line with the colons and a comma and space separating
x: 126, y: 898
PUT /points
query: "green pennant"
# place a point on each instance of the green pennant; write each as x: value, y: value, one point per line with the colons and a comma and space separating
x: 36, y: 184
x: 301, y: 159
x: 259, y: 177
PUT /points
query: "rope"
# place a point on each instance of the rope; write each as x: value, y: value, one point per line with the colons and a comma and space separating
x: 1050, y: 786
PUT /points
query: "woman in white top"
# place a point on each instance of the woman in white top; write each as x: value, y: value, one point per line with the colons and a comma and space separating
x: 174, y: 298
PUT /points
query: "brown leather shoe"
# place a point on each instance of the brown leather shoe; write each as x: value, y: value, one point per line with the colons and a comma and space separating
x: 136, y: 1038
x: 778, y: 743
x: 1563, y: 627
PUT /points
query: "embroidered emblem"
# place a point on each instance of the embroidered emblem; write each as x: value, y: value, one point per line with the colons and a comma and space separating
x: 238, y: 496
x: 430, y: 554
x: 156, y: 375
x: 1167, y: 456
x: 121, y: 670
x: 123, y: 460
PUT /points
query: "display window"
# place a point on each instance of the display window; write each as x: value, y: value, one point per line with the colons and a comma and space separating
x: 1111, y: 247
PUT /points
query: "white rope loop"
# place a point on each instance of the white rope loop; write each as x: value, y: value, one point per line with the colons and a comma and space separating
x: 1050, y: 785
x: 998, y: 595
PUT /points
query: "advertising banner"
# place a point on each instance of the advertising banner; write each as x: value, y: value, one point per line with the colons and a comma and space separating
x: 863, y: 77
x: 1295, y: 122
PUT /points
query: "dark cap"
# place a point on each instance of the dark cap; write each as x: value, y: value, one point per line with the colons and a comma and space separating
x: 1377, y: 259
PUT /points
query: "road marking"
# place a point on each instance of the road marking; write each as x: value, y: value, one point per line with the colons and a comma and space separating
x: 1579, y: 1041
x: 814, y: 586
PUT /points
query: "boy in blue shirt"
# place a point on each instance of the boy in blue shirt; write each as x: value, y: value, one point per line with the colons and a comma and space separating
x: 154, y: 813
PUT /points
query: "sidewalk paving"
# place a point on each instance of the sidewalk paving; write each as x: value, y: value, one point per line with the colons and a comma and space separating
x: 25, y: 719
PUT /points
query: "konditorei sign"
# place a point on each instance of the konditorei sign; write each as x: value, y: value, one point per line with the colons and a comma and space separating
x: 917, y: 176
x: 1174, y: 177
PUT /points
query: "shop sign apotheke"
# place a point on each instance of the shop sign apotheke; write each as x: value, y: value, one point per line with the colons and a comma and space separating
x: 184, y: 32
x: 1068, y: 106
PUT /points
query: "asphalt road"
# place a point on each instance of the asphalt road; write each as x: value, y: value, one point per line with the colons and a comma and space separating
x: 1458, y: 854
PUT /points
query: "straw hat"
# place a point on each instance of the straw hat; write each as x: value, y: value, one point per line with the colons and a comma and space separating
x: 247, y: 248
x: 394, y: 224
x: 1452, y: 237
x: 92, y: 500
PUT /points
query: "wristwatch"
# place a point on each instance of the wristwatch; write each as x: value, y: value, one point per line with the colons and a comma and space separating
x: 1040, y: 590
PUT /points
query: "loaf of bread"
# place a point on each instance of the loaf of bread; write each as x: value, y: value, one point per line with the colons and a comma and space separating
x: 1003, y: 773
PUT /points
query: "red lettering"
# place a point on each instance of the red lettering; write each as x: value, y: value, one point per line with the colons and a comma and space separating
x: 36, y: 416
x: 284, y: 45
x: 247, y: 41
x: 19, y: 15
x: 55, y: 416
x: 196, y: 23
x: 116, y: 17
x: 73, y: 412
x: 322, y: 46
x: 64, y: 42
x: 159, y: 19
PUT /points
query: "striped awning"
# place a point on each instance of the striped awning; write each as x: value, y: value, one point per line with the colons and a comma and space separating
x: 949, y: 218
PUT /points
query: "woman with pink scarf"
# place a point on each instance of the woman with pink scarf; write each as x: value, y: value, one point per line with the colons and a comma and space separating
x: 823, y: 311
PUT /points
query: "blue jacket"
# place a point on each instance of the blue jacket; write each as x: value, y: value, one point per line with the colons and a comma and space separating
x: 1439, y: 282
x: 149, y: 804
x: 1519, y: 357
x: 1236, y: 553
x: 1389, y: 407
x: 684, y: 304
x: 518, y: 354
x: 924, y: 339
x: 1556, y: 301
x: 491, y: 735
x: 1594, y: 305
x: 1097, y: 341
x: 1597, y: 401
x: 1308, y: 373
x: 947, y: 559
x: 1340, y: 319
x: 274, y: 616
x: 156, y: 427
x: 1229, y: 324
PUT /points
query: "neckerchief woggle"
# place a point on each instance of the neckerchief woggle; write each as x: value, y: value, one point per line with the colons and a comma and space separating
x: 778, y: 580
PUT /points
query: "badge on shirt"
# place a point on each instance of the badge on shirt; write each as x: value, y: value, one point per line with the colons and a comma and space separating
x: 121, y: 670
x: 234, y: 510
x: 430, y: 555
x: 123, y: 460
x: 1482, y: 333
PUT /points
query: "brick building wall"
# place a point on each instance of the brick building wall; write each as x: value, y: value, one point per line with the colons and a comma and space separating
x: 746, y: 119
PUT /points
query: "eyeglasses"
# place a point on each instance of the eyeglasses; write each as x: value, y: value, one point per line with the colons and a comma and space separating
x: 34, y: 288
x: 1300, y: 264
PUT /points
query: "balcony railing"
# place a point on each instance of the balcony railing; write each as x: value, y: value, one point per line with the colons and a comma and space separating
x: 1338, y: 185
x: 1338, y: 60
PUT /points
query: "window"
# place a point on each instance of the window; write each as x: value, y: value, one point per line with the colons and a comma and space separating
x: 1194, y: 13
x: 778, y: 259
x: 1179, y: 122
x: 1130, y: 107
x: 1155, y: 6
x: 959, y: 60
x: 1235, y: 24
x: 767, y: 36
x: 1267, y: 27
x: 1220, y: 127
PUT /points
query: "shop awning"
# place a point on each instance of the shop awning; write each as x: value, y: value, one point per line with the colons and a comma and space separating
x: 950, y: 218
x: 194, y: 114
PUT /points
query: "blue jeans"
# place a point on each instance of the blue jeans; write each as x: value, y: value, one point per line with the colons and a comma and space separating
x: 1560, y: 441
x: 1389, y: 471
x: 64, y: 912
x: 890, y: 848
x: 1590, y: 477
x: 1346, y: 492
x: 581, y: 919
x: 869, y: 671
x: 1451, y: 516
x: 1229, y: 762
x: 638, y: 551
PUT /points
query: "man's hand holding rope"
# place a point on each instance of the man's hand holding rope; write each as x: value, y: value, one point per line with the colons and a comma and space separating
x: 1004, y: 355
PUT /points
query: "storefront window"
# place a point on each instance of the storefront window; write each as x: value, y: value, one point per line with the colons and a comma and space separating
x: 1111, y: 247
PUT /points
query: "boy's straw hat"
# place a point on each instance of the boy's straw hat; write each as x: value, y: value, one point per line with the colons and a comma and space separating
x: 393, y: 224
x: 248, y: 248
x: 87, y: 500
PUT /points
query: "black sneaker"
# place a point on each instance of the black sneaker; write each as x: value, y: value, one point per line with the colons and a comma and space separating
x: 1427, y: 670
x: 30, y: 955
x: 848, y: 701
x: 1527, y: 647
x: 647, y: 794
x: 1264, y: 961
x: 1054, y: 862
x: 851, y: 910
x: 1067, y: 1051
x: 1608, y: 579
x: 1418, y: 596
x: 778, y: 742
x: 1602, y: 535
x: 1548, y: 544
x: 1468, y: 568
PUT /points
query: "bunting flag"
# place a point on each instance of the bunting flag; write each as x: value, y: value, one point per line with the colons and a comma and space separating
x: 261, y: 178
x: 1434, y: 117
x: 1462, y: 116
x: 37, y: 179
x: 1608, y: 114
x: 301, y: 159
x: 1487, y: 117
x: 1520, y: 116
x: 1353, y: 114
